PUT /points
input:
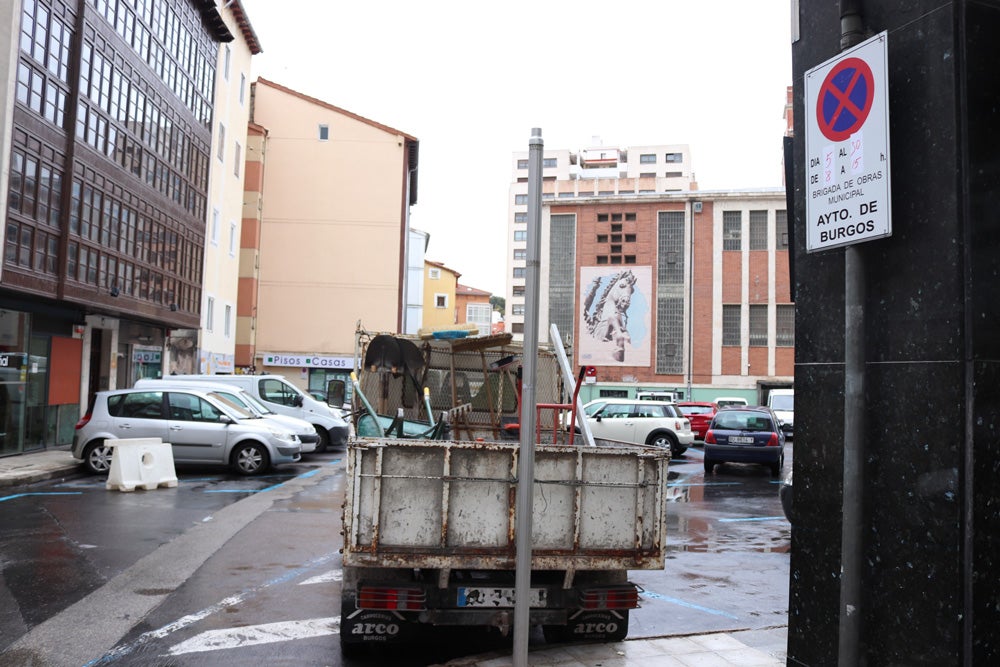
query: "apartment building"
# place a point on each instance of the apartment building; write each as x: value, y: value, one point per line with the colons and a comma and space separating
x: 326, y: 242
x: 677, y: 289
x: 104, y: 186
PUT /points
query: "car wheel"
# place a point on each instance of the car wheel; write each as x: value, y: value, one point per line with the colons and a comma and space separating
x: 665, y: 440
x: 324, y: 439
x: 250, y: 458
x: 777, y: 466
x: 709, y: 466
x: 97, y: 458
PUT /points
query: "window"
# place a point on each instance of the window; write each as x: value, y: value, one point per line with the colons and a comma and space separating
x: 781, y: 230
x: 277, y: 391
x: 519, y: 271
x: 732, y: 230
x: 479, y: 314
x: 521, y: 235
x: 440, y: 300
x: 210, y: 313
x: 517, y: 309
x: 731, y: 325
x: 243, y: 89
x: 520, y: 255
x: 232, y: 239
x: 518, y: 290
x: 648, y: 174
x: 227, y: 323
x: 785, y: 325
x: 549, y: 163
x: 758, y: 230
x: 647, y: 158
x: 517, y: 327
x: 520, y: 217
x: 227, y: 58
x: 434, y: 274
x: 522, y: 164
x: 324, y: 132
x: 674, y: 157
x: 602, y: 217
x: 238, y: 155
x: 521, y: 200
x: 758, y: 326
x: 222, y: 142
x: 215, y: 227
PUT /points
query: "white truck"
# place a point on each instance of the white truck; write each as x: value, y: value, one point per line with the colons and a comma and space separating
x: 429, y: 525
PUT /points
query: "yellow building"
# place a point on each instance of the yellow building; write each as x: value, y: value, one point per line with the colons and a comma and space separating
x: 440, y: 284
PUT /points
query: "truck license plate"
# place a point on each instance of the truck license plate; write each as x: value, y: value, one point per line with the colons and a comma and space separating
x: 741, y: 439
x: 469, y: 596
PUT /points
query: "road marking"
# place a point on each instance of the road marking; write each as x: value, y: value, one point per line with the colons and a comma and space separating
x: 252, y: 635
x: 332, y: 575
x: 689, y: 605
x: 41, y: 493
x: 183, y: 622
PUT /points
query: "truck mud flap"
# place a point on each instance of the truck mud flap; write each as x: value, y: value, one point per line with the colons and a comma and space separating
x: 606, y: 625
x: 374, y: 627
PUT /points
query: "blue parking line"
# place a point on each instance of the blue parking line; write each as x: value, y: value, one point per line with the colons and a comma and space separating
x: 689, y: 605
x: 40, y: 493
x: 269, y: 488
x: 754, y: 518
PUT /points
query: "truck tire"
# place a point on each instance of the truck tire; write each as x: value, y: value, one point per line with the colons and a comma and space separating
x: 324, y: 439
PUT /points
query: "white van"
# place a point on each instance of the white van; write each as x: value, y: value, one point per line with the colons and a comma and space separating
x: 655, y: 395
x: 782, y: 401
x: 285, y: 398
x: 307, y: 432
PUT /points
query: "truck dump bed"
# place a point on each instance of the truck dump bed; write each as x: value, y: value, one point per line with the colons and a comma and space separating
x: 451, y: 505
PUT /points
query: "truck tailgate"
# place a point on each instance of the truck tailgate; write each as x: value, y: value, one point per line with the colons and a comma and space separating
x: 450, y: 504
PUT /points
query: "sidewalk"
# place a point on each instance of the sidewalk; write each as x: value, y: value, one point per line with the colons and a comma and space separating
x: 38, y: 466
x: 716, y: 649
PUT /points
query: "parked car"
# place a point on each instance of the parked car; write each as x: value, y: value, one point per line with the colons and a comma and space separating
x: 308, y: 437
x: 655, y: 423
x: 785, y: 494
x: 700, y: 415
x: 200, y: 427
x: 730, y: 402
x: 745, y: 435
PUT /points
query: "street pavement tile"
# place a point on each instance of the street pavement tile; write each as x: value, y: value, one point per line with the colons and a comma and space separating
x: 718, y: 642
x: 748, y: 657
x: 678, y: 645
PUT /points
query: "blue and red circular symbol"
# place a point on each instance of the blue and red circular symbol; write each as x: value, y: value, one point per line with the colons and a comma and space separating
x: 845, y: 98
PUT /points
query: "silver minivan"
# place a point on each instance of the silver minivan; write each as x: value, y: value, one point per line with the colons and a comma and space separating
x: 199, y: 427
x: 308, y: 437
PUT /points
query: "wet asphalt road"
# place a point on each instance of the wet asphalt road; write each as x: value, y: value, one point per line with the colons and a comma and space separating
x: 268, y: 592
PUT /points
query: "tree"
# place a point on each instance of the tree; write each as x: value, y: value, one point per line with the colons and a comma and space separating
x: 499, y: 304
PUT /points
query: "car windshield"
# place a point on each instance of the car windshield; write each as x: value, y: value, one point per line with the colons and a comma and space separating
x: 782, y: 402
x: 696, y: 409
x: 732, y: 420
x: 241, y: 411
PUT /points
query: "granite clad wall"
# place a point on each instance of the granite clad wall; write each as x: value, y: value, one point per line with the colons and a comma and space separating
x: 931, y: 527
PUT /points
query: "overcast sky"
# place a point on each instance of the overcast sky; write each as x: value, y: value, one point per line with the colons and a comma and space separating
x: 470, y: 79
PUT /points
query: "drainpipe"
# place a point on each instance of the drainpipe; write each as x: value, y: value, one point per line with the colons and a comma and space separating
x: 852, y: 551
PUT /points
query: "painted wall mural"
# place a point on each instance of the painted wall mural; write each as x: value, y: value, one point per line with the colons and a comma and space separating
x: 615, y: 323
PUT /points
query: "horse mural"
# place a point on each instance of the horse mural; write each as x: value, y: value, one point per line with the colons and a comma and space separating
x: 607, y: 320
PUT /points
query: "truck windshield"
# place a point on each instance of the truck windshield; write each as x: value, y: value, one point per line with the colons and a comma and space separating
x: 782, y: 402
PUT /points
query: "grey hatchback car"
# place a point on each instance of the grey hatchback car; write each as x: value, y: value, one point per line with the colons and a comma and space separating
x: 199, y: 428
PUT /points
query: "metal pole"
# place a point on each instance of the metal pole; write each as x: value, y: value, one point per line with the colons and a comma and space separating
x: 851, y: 543
x: 526, y: 460
x: 690, y: 299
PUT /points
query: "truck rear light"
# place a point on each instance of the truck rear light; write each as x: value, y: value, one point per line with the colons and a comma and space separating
x: 618, y: 597
x: 400, y: 599
x: 710, y: 438
x: 773, y: 442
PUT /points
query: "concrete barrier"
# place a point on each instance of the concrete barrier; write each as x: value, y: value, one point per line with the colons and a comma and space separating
x: 147, y: 463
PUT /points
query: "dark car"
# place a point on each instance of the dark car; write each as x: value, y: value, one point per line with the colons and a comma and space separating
x: 700, y: 415
x: 785, y: 494
x: 745, y: 435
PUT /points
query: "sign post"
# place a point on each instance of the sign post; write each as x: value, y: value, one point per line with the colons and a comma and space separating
x: 847, y: 148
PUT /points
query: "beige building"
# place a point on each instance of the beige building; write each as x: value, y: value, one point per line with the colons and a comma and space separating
x: 325, y: 235
x: 472, y: 306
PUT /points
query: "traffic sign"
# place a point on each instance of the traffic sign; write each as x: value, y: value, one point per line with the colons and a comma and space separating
x: 847, y: 148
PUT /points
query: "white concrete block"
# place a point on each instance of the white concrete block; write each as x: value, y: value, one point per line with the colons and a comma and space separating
x: 147, y: 463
